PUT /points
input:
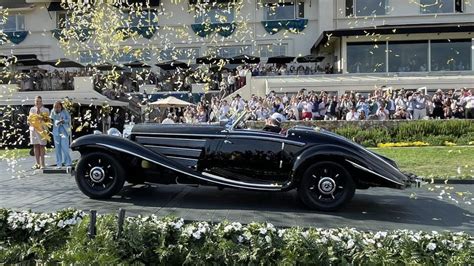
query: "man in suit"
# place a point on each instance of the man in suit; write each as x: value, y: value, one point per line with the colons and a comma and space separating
x: 61, y: 120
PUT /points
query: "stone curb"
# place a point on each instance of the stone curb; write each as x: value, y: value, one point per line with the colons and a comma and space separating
x: 450, y: 181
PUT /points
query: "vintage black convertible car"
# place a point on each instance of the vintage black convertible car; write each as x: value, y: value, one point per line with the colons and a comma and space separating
x: 324, y: 167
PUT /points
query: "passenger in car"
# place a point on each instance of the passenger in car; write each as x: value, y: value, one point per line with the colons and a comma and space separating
x: 272, y: 125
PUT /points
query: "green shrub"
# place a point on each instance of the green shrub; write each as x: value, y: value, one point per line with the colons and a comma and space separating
x: 435, y: 132
x: 171, y: 241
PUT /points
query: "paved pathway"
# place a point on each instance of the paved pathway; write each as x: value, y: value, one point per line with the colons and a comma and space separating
x: 375, y: 209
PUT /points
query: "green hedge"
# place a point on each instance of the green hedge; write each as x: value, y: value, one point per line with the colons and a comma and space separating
x: 62, y: 238
x: 434, y: 132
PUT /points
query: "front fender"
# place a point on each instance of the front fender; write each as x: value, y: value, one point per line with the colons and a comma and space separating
x: 125, y: 146
x: 357, y: 157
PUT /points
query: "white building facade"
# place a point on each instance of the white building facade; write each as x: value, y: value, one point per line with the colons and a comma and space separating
x: 360, y: 38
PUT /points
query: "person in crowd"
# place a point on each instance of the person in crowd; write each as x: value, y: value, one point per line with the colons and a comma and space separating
x: 331, y: 112
x: 352, y: 115
x: 272, y: 125
x: 61, y: 120
x: 419, y: 104
x: 401, y: 114
x: 169, y: 119
x: 467, y: 102
x: 37, y: 131
x: 383, y: 114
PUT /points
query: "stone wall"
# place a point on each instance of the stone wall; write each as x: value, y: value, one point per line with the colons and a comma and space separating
x: 332, y: 125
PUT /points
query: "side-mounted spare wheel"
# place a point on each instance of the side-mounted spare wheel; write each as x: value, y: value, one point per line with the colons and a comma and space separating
x: 99, y: 175
x: 326, y: 186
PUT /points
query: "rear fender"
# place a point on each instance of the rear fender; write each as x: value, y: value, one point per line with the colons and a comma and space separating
x: 373, y: 168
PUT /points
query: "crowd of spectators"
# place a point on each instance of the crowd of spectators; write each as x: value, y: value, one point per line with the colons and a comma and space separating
x: 37, y: 79
x: 381, y: 104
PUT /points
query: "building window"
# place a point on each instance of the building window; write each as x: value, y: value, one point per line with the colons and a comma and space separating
x: 134, y: 55
x: 269, y: 50
x: 230, y: 51
x: 219, y: 13
x: 440, y: 6
x: 144, y: 18
x: 89, y: 57
x: 284, y: 10
x: 408, y: 56
x: 366, y: 57
x: 14, y: 23
x: 453, y: 55
x: 366, y: 7
x: 179, y: 54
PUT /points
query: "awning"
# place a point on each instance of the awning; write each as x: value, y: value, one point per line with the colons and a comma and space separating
x: 84, y: 98
x: 395, y: 29
x: 210, y: 2
x: 144, y: 3
x: 15, y: 4
x: 56, y: 6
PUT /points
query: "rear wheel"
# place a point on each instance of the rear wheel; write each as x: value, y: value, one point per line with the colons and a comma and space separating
x: 99, y: 175
x: 326, y: 186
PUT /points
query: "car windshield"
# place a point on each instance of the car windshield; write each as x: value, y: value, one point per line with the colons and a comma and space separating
x: 240, y: 122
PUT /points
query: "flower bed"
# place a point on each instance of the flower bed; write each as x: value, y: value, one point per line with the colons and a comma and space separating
x: 63, y: 237
x: 403, y: 144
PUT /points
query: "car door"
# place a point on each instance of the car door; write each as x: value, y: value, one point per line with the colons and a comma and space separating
x: 250, y: 158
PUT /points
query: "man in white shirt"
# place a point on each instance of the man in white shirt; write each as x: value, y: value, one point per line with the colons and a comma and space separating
x: 352, y: 115
x: 231, y: 82
x: 382, y: 113
x: 168, y: 120
x: 468, y: 101
x: 224, y: 110
x: 238, y: 104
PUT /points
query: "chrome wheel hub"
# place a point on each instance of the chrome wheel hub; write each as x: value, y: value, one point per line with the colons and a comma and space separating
x: 97, y: 174
x: 326, y: 185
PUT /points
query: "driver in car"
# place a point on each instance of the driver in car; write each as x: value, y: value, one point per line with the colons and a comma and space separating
x: 272, y: 125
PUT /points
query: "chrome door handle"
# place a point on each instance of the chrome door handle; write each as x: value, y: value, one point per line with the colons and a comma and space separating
x: 227, y: 141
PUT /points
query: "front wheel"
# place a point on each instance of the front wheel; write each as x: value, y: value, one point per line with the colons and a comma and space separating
x: 99, y: 175
x: 326, y: 186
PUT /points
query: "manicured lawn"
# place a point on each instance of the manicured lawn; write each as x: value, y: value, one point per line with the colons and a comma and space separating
x: 14, y: 153
x: 439, y: 162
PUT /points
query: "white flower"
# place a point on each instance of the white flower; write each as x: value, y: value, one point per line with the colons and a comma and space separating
x: 240, y: 239
x: 281, y: 232
x: 263, y: 230
x: 305, y: 234
x: 271, y: 227
x: 268, y: 239
x: 379, y: 235
x: 237, y: 226
x: 379, y: 245
x: 227, y: 228
x: 431, y: 246
x: 350, y: 244
x: 335, y: 238
x: 197, y: 235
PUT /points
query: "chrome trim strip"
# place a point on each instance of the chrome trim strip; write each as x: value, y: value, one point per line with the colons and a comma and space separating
x: 372, y: 172
x: 165, y: 138
x: 235, y: 135
x: 182, y: 158
x: 180, y: 134
x: 239, y: 182
x: 173, y: 148
x: 221, y: 180
x: 297, y: 143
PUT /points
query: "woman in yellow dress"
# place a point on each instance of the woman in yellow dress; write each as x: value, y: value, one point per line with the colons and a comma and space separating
x: 38, y: 121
